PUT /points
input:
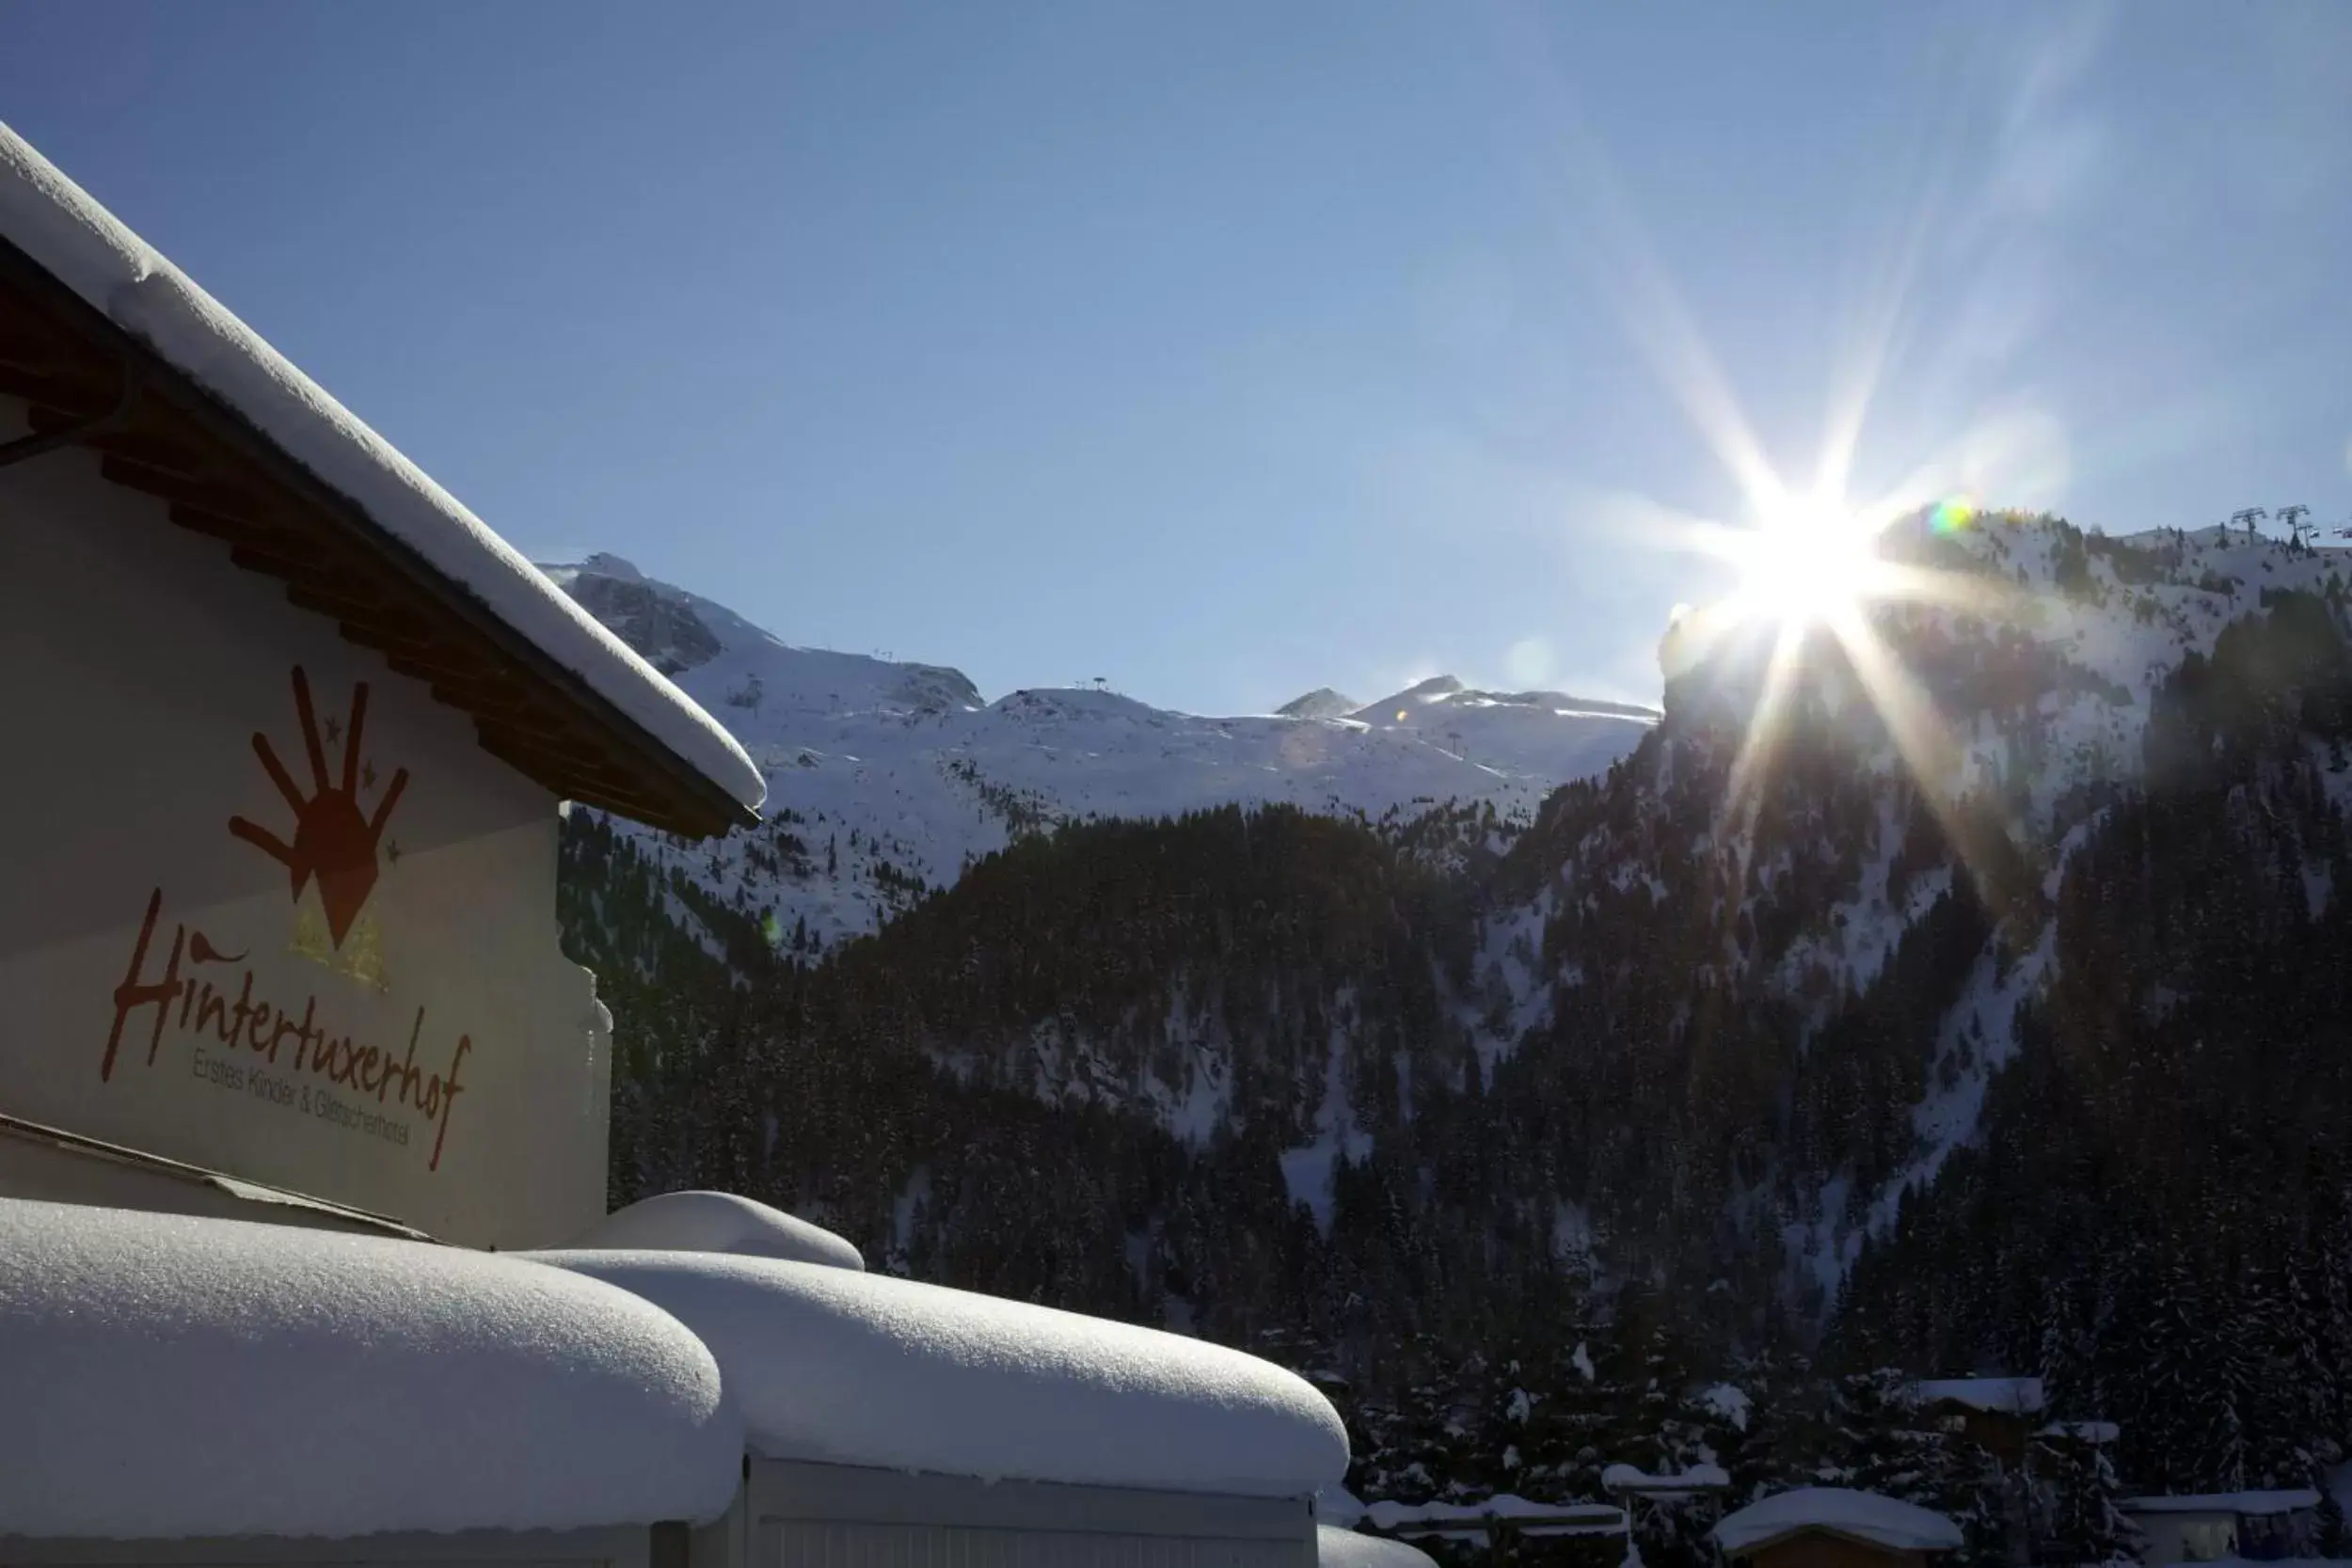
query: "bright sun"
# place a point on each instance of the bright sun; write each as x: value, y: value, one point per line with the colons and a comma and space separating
x: 1807, y: 561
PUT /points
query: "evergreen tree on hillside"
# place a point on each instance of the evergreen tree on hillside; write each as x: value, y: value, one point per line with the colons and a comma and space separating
x: 2080, y: 1524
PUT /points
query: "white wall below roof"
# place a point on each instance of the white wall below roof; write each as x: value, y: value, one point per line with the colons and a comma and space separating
x: 808, y: 1515
x: 623, y: 1546
x: 2169, y: 1538
x: 138, y: 664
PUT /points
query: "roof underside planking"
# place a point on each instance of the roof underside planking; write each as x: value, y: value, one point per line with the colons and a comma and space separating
x: 218, y: 476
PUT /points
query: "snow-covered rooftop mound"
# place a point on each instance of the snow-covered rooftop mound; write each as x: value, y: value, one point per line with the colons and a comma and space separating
x: 169, y: 1376
x: 718, y: 1221
x: 1468, y: 1521
x: 84, y: 247
x: 1348, y: 1549
x: 859, y: 1368
x: 2252, y: 1505
x: 1863, y: 1515
x: 1633, y: 1478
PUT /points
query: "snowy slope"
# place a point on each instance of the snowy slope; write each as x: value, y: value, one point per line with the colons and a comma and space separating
x: 889, y: 778
x: 2038, y: 682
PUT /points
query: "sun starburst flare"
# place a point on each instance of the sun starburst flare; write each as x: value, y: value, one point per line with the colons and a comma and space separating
x: 1813, y: 566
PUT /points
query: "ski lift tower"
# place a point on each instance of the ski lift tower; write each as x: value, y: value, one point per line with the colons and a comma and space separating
x: 2298, y: 530
x: 2247, y: 516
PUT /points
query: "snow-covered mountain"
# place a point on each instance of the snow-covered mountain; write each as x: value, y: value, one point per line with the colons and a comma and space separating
x: 2035, y: 699
x: 1991, y: 1013
x: 886, y: 778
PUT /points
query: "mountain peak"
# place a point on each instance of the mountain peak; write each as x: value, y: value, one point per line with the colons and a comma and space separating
x: 606, y: 565
x: 1322, y: 702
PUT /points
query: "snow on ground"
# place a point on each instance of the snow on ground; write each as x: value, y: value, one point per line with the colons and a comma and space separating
x: 887, y: 777
x: 718, y: 1221
x: 1512, y: 997
x: 1978, y: 1039
x: 1852, y: 945
x: 87, y: 249
x: 1306, y: 1169
x: 862, y: 1368
x: 1494, y: 729
x: 170, y: 1376
x: 1866, y: 1515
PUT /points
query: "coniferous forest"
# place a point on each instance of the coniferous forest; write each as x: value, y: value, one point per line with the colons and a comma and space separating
x: 1603, y: 1147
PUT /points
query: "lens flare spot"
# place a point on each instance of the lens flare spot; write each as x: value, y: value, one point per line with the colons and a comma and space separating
x: 1954, y: 515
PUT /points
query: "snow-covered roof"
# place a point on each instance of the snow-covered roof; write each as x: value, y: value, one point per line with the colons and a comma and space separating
x: 1863, y: 1515
x: 2249, y: 1505
x: 2006, y: 1396
x: 1633, y: 1478
x: 860, y: 1369
x: 170, y: 1376
x: 1462, y: 1521
x: 718, y: 1221
x: 83, y: 247
x: 1348, y: 1549
x: 2083, y: 1432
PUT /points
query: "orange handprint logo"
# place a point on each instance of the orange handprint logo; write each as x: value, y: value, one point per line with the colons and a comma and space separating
x: 332, y: 839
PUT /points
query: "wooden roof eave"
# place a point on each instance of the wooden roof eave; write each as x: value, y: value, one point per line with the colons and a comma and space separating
x: 219, y: 475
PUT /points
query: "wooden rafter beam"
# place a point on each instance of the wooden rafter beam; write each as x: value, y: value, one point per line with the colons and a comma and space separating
x: 223, y: 477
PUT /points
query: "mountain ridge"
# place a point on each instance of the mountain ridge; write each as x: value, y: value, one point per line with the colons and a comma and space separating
x: 2018, y: 1040
x: 888, y: 779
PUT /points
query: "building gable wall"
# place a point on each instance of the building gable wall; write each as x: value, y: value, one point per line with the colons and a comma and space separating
x: 353, y: 993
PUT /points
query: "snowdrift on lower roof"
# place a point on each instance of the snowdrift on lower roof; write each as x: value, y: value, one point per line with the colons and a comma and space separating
x: 86, y: 248
x: 860, y: 1369
x: 169, y: 1376
x: 1525, y: 1514
x: 1894, y: 1525
x: 1347, y: 1549
x: 2249, y: 1504
x: 718, y: 1221
x: 1633, y: 1478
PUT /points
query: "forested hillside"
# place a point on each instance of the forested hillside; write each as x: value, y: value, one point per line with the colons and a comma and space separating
x: 1746, y: 1083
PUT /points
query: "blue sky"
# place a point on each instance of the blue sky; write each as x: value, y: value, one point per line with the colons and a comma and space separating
x: 1231, y: 349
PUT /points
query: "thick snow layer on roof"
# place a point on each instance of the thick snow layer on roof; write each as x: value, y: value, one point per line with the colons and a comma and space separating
x: 2010, y: 1396
x: 1345, y: 1548
x: 1565, y: 1518
x: 84, y: 247
x: 860, y: 1369
x: 2083, y: 1432
x: 718, y: 1221
x: 2247, y: 1504
x: 1894, y: 1525
x: 170, y: 1376
x: 1633, y: 1478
